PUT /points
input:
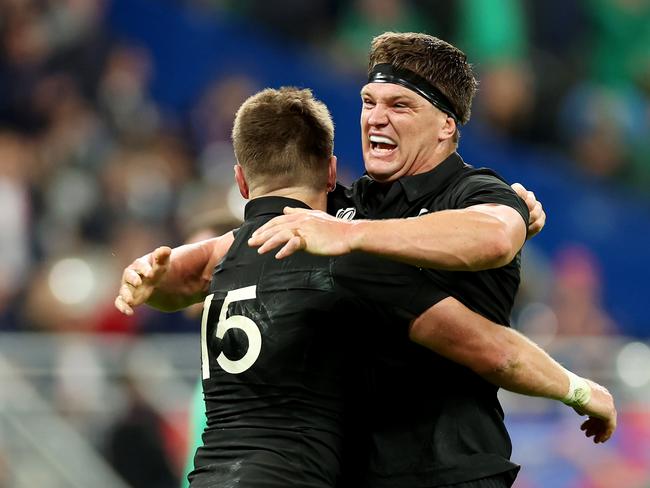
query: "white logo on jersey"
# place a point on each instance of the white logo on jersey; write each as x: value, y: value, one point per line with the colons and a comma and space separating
x: 423, y: 211
x: 346, y: 213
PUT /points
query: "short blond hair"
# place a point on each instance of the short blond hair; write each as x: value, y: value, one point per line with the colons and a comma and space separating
x: 284, y: 137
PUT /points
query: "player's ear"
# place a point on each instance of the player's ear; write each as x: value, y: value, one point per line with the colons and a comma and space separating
x: 331, y: 174
x: 240, y: 178
x: 448, y: 129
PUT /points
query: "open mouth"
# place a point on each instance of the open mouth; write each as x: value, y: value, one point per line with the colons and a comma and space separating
x: 382, y: 145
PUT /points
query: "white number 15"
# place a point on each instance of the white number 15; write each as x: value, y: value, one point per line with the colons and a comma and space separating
x: 245, y: 324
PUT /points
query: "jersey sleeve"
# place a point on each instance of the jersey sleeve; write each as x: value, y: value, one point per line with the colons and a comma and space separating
x: 389, y: 285
x: 484, y: 186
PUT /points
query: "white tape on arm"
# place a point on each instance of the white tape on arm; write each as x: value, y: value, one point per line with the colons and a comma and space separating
x: 579, y: 392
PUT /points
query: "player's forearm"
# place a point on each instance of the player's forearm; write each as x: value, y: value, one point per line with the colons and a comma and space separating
x: 533, y: 372
x: 166, y: 302
x: 462, y: 240
x: 507, y: 359
x: 190, y: 272
x: 525, y: 368
x: 187, y: 280
x: 499, y: 354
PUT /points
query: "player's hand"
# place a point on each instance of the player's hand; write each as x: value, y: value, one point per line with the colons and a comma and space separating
x: 300, y: 229
x: 140, y: 278
x: 601, y: 423
x: 537, y: 218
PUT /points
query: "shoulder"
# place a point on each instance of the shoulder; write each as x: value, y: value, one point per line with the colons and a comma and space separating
x: 476, y: 186
x: 476, y: 179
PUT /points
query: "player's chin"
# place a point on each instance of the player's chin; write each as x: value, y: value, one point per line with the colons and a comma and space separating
x: 381, y: 169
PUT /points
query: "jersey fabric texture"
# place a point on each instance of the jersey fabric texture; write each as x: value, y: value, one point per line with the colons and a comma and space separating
x: 435, y: 422
x: 281, y: 339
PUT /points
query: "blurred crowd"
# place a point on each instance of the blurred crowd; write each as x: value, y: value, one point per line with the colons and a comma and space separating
x: 95, y: 172
x: 92, y: 173
x: 573, y: 74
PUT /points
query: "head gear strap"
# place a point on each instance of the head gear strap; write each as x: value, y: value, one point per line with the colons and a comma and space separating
x: 387, y: 73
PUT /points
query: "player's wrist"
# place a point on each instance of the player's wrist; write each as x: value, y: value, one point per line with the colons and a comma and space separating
x: 579, y: 392
x: 355, y: 235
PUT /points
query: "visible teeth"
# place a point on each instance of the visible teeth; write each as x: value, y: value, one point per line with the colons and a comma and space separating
x: 382, y: 140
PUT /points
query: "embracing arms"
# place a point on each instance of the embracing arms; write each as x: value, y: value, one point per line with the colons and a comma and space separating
x: 183, y: 277
x: 471, y: 239
x: 171, y: 279
x: 509, y: 360
x: 478, y: 237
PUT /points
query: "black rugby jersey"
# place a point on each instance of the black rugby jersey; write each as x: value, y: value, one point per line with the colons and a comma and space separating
x: 280, y: 339
x: 435, y: 422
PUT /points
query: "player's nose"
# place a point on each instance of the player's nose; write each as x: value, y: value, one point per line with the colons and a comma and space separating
x: 378, y: 115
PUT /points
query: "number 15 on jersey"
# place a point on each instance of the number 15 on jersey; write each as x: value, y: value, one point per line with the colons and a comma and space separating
x: 225, y: 323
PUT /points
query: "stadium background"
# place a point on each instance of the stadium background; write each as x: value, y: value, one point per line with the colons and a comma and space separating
x: 114, y: 137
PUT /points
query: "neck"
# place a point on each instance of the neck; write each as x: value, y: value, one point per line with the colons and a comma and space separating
x: 442, y: 152
x: 315, y: 199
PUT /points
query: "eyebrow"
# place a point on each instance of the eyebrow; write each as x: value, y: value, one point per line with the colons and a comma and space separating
x: 402, y: 96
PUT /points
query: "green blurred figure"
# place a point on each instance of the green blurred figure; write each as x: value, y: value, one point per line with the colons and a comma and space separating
x: 197, y: 424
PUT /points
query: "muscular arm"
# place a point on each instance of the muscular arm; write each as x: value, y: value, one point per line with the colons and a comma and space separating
x: 172, y: 279
x: 479, y: 237
x: 499, y: 354
x: 507, y: 359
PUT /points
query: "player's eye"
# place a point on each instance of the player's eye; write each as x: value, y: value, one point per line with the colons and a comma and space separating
x: 367, y: 102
